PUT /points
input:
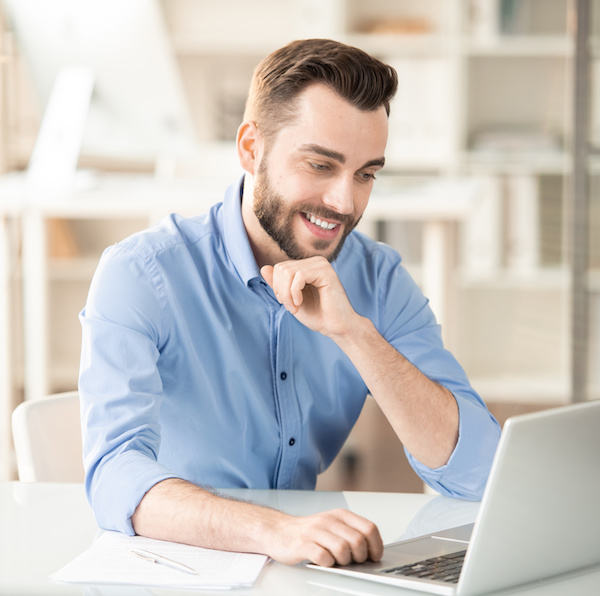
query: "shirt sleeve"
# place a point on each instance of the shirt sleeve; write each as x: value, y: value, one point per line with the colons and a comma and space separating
x: 413, y: 330
x: 120, y: 387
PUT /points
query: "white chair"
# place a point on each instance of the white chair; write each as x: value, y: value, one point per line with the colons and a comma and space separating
x: 47, y: 438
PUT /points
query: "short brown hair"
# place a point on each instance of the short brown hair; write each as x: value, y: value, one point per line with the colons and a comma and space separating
x: 354, y: 75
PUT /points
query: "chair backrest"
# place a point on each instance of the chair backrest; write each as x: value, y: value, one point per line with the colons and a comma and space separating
x: 47, y: 438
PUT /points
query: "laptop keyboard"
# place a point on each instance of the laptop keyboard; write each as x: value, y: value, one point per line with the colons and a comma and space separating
x: 444, y: 568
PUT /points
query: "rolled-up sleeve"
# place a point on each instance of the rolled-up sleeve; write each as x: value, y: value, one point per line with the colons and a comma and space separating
x: 465, y: 475
x: 120, y: 387
x: 413, y: 330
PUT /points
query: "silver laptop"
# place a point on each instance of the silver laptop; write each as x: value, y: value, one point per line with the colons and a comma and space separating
x: 539, y: 516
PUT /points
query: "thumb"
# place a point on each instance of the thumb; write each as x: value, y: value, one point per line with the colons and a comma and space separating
x: 267, y: 273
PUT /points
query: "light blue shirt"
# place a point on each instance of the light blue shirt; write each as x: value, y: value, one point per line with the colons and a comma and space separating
x: 190, y: 368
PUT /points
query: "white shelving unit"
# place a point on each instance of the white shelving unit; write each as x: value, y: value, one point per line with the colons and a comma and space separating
x: 481, y: 95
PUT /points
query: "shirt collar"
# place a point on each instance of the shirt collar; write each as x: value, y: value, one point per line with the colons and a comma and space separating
x: 235, y: 236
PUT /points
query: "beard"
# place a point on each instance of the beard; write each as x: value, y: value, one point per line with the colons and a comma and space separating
x: 277, y: 220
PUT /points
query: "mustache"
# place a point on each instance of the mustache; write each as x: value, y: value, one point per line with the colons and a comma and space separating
x: 325, y: 213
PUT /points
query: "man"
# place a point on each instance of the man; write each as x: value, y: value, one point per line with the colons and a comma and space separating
x: 236, y: 349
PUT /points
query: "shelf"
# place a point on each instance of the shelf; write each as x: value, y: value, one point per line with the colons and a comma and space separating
x: 433, y: 200
x: 397, y: 45
x: 115, y: 196
x: 75, y: 269
x: 544, y: 278
x: 533, y: 389
x: 522, y: 162
x: 551, y: 278
x: 193, y: 45
x: 380, y: 44
x: 521, y: 46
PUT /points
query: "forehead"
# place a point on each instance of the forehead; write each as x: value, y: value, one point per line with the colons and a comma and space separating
x: 324, y: 118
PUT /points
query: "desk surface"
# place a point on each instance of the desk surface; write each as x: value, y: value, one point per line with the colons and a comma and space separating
x: 44, y: 526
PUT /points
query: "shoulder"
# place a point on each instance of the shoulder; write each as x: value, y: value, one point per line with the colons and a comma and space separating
x: 171, y: 234
x: 133, y: 280
x: 143, y: 262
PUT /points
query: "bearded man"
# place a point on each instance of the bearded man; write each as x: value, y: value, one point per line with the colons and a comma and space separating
x: 241, y: 344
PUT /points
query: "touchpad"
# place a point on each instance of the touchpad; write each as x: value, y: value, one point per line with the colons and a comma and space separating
x: 424, y: 548
x: 461, y: 533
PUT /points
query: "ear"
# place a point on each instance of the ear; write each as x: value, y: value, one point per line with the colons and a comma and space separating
x: 248, y: 141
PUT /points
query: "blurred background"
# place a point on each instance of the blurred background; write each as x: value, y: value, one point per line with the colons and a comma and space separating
x: 115, y: 113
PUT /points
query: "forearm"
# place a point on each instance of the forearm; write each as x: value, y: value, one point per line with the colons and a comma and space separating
x: 423, y: 414
x: 178, y: 511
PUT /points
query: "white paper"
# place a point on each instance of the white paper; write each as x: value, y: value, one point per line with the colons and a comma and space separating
x: 110, y: 561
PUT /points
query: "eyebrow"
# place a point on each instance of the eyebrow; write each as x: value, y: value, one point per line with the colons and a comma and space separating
x: 337, y: 156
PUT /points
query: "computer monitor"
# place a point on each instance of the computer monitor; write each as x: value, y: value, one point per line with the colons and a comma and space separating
x: 138, y: 108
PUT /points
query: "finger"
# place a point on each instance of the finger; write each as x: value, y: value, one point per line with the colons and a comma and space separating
x: 356, y: 543
x: 321, y: 556
x: 278, y: 282
x: 344, y: 541
x: 366, y: 529
x: 288, y: 285
x: 297, y: 287
x: 267, y: 273
x: 335, y: 545
x: 313, y: 276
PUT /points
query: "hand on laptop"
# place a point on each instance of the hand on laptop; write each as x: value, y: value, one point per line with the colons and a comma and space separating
x: 332, y: 537
x: 177, y: 510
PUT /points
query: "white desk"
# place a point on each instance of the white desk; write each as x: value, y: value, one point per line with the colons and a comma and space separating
x: 44, y: 526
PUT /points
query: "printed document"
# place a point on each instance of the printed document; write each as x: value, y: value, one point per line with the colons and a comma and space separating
x: 110, y: 561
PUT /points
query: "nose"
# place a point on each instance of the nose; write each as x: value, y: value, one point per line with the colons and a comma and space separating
x: 339, y: 195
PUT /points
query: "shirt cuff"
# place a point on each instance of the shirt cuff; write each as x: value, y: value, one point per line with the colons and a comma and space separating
x: 466, y: 473
x: 118, y: 487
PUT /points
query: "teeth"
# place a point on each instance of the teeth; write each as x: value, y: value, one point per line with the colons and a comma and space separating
x: 322, y: 224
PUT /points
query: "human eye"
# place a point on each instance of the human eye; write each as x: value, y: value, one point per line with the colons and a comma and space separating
x: 366, y: 176
x: 319, y: 167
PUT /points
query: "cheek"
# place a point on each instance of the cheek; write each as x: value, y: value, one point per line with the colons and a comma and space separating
x: 297, y: 186
x: 361, y: 197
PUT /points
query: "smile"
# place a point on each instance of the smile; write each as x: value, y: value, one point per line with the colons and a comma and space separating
x: 324, y: 225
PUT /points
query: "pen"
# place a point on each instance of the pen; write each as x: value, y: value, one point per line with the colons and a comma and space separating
x: 160, y: 560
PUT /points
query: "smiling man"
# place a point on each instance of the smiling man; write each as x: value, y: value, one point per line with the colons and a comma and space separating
x: 241, y: 345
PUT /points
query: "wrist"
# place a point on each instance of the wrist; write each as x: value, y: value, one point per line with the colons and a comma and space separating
x: 270, y: 532
x: 355, y: 333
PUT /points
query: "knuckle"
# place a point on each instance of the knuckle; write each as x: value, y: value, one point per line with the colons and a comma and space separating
x: 341, y: 550
x: 320, y: 556
x: 359, y: 547
x: 357, y: 542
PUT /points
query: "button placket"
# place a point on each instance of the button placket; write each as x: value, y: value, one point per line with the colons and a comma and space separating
x: 288, y: 404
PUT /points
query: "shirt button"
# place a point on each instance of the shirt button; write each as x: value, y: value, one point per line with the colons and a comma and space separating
x: 283, y: 376
x: 292, y: 442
